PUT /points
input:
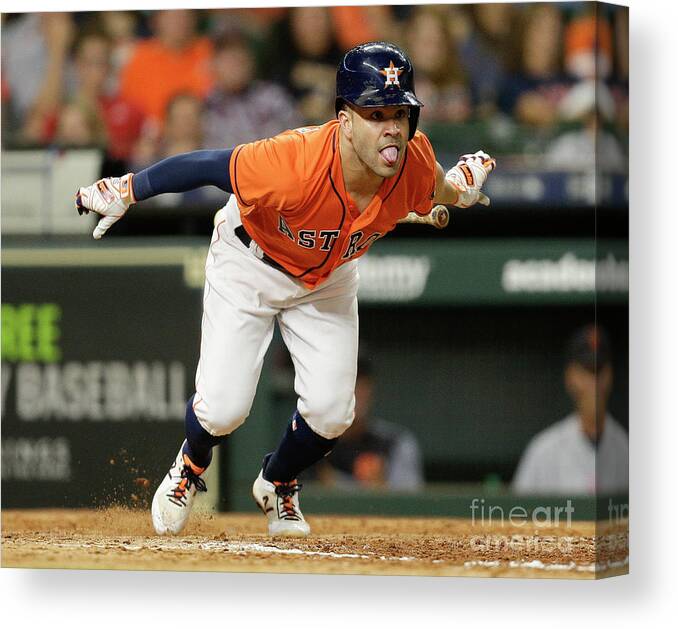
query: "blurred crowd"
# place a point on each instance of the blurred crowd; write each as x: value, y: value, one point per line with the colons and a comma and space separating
x: 147, y: 84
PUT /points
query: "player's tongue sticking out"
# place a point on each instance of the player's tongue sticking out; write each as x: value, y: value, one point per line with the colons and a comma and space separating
x: 390, y: 154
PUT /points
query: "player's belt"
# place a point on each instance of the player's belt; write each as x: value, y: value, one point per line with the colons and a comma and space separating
x: 246, y: 239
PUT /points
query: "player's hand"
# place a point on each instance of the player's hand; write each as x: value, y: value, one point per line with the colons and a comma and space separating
x: 468, y: 177
x: 110, y: 197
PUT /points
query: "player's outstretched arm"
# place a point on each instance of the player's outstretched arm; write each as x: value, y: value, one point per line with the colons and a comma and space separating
x: 460, y: 186
x: 111, y: 197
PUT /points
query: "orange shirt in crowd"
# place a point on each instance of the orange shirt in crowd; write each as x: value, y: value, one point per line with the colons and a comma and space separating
x: 352, y: 26
x: 155, y: 74
x: 293, y: 202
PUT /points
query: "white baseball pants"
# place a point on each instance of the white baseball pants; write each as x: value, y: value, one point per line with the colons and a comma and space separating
x: 243, y: 297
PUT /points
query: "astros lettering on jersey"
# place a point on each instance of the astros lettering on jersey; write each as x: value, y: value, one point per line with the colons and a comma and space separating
x: 293, y: 203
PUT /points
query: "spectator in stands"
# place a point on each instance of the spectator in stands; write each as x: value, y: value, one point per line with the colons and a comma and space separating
x: 80, y: 125
x: 75, y: 101
x: 256, y: 23
x: 588, y: 45
x: 240, y: 108
x: 303, y: 56
x: 441, y: 83
x: 589, y: 148
x: 182, y: 133
x: 121, y: 29
x: 174, y: 61
x: 533, y: 95
x: 354, y: 25
x: 93, y: 83
x: 589, y: 102
x: 35, y: 49
x: 589, y: 62
x: 184, y: 125
x: 373, y: 453
x: 587, y: 452
x: 486, y: 49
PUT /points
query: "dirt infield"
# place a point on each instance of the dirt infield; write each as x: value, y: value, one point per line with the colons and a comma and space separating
x: 123, y: 539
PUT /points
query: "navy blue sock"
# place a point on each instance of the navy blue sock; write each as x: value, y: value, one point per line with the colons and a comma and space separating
x: 199, y: 442
x: 299, y: 448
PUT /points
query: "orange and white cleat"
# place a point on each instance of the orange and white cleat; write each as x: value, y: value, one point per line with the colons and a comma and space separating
x: 174, y: 497
x: 280, y: 503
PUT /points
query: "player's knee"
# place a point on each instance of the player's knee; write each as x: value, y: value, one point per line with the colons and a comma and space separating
x: 329, y: 416
x: 222, y: 417
x: 221, y: 424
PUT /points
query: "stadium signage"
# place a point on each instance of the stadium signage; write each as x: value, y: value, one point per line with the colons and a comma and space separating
x: 96, y: 370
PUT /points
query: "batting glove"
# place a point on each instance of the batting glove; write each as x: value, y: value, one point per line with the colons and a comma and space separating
x: 468, y: 177
x: 110, y: 197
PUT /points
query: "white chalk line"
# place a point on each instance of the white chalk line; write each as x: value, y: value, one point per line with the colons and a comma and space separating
x: 167, y: 544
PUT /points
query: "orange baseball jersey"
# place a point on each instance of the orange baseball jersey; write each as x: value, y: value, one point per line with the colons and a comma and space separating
x: 293, y: 203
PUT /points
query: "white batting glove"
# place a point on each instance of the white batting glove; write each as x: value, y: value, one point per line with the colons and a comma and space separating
x: 468, y: 177
x: 110, y: 197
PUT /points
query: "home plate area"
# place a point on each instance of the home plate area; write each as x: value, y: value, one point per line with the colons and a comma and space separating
x: 123, y: 539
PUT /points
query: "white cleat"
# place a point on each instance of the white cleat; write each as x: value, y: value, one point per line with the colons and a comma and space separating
x: 173, y: 500
x: 280, y: 503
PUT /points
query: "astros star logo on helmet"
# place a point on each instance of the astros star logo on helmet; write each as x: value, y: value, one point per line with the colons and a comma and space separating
x: 392, y: 73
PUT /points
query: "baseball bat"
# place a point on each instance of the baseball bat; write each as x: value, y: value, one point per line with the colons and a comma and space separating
x: 438, y: 217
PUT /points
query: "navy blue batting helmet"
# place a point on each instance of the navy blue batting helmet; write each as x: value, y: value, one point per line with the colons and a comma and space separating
x: 377, y: 74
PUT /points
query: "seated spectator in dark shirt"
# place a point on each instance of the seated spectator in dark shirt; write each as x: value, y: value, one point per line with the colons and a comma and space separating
x: 372, y: 453
x: 303, y: 55
x: 485, y: 40
x: 240, y: 108
x: 532, y: 96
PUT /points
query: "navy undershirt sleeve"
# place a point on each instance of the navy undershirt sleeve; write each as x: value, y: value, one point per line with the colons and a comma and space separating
x: 187, y: 171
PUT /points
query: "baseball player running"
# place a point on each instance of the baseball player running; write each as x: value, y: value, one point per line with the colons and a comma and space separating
x: 304, y: 206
